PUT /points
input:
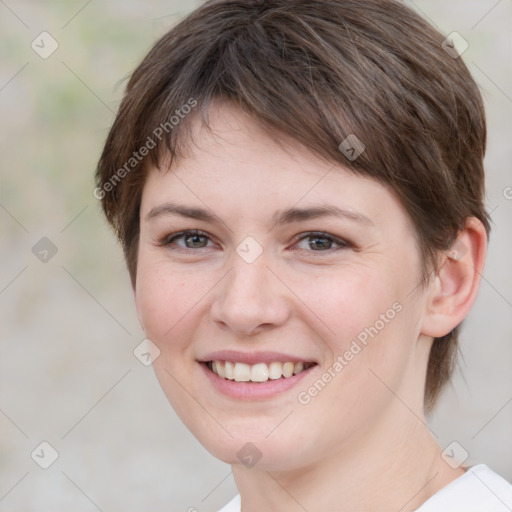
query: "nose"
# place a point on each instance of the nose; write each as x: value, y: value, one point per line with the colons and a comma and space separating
x: 250, y: 299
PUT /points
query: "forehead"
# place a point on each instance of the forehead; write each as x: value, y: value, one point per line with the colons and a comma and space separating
x: 237, y: 167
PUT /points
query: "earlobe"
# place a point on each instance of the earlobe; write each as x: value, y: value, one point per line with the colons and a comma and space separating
x: 455, y: 285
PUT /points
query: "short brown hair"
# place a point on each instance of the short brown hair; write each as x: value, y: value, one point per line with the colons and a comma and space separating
x: 318, y: 71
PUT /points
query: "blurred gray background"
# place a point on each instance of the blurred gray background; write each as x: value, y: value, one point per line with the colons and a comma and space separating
x: 67, y: 320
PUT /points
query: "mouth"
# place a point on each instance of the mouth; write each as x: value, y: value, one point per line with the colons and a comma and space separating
x: 259, y: 372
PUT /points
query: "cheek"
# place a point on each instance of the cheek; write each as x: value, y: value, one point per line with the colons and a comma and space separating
x: 166, y: 298
x: 169, y: 303
x: 367, y: 326
x: 350, y: 302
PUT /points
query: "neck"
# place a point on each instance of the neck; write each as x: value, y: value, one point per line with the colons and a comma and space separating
x: 385, y: 469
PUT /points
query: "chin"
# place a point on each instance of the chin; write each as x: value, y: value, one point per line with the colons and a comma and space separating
x: 270, y: 453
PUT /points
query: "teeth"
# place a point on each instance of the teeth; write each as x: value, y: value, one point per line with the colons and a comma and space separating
x: 260, y: 372
x: 220, y: 370
x: 298, y: 367
x: 275, y: 370
x: 242, y: 372
x: 228, y: 369
x: 288, y: 369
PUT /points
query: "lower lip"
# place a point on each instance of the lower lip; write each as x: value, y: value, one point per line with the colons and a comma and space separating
x: 253, y: 390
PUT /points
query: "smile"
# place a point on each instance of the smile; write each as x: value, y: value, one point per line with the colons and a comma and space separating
x: 259, y: 372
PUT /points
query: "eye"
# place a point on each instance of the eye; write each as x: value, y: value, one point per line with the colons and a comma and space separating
x: 193, y: 239
x: 322, y: 242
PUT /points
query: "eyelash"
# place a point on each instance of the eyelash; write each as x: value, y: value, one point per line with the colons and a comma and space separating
x: 168, y: 240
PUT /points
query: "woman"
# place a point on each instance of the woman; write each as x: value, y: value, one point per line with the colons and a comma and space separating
x: 298, y: 188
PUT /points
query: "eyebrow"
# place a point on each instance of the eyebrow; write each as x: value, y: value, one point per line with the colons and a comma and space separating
x: 280, y: 217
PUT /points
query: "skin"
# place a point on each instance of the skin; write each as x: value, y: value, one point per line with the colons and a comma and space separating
x: 347, y: 448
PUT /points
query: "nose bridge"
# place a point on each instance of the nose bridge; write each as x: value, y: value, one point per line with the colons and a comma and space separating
x: 250, y: 280
x: 249, y: 297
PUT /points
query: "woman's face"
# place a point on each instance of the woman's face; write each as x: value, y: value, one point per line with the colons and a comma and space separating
x: 291, y: 260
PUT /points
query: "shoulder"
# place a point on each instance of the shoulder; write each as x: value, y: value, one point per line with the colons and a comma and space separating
x: 479, y: 490
x: 233, y: 505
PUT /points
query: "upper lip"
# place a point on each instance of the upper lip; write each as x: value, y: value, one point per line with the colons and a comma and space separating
x: 252, y: 357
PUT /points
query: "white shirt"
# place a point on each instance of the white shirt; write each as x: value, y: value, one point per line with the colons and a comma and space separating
x: 479, y: 489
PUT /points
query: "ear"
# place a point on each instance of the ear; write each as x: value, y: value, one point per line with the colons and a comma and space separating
x: 455, y: 285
